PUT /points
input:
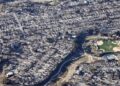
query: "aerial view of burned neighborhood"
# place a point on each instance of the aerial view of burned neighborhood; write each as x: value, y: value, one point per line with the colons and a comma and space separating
x: 59, y: 42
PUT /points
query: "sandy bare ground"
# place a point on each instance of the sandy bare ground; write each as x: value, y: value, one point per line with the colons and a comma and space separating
x: 2, y: 78
x: 116, y: 49
x: 72, y: 68
x: 100, y: 42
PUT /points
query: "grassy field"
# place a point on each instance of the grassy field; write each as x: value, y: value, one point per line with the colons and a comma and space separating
x: 107, y: 46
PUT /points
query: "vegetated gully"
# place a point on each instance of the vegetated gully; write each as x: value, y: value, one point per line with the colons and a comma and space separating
x: 72, y: 56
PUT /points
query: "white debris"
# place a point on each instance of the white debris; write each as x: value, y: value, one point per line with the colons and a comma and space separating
x: 9, y: 74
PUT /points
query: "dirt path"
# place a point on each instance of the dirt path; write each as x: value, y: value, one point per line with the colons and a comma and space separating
x: 72, y: 68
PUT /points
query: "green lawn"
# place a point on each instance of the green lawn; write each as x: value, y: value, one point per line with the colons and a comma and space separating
x: 107, y: 46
